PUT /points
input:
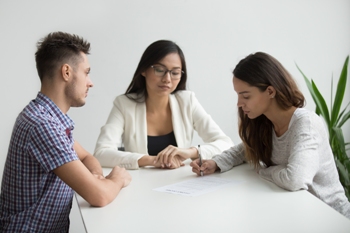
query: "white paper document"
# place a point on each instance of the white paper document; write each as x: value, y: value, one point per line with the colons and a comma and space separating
x: 197, y: 186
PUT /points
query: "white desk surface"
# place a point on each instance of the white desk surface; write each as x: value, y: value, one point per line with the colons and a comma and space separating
x: 254, y: 205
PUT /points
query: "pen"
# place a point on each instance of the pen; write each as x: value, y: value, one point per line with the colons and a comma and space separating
x: 200, y: 157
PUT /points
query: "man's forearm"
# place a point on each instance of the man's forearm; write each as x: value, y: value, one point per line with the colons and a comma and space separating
x: 93, y: 165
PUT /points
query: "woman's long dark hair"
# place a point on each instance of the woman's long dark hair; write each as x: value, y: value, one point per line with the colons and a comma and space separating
x: 262, y: 70
x: 152, y: 55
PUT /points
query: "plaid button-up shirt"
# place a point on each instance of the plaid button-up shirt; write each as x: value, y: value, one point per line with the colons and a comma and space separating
x: 33, y: 198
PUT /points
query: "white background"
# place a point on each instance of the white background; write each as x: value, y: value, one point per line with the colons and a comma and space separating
x: 214, y: 36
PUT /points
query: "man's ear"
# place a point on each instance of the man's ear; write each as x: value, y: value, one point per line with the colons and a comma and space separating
x: 66, y: 72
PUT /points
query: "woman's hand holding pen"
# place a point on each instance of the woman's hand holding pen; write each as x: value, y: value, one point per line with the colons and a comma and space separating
x: 208, y: 167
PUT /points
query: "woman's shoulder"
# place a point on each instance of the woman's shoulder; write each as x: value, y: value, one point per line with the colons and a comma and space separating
x: 305, y: 118
x: 305, y: 114
x: 184, y: 98
x: 121, y: 98
x: 184, y: 94
x: 126, y: 99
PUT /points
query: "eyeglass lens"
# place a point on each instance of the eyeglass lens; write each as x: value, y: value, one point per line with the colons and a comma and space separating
x: 160, y: 71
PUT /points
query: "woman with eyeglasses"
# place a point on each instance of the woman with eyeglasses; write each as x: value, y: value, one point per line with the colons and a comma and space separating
x: 287, y: 144
x: 156, y: 117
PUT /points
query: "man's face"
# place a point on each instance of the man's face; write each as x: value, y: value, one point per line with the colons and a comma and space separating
x: 77, y: 88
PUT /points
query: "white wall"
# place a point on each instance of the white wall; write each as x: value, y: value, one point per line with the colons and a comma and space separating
x: 214, y: 36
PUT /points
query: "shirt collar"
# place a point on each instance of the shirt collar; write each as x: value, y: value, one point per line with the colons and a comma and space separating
x: 54, y: 110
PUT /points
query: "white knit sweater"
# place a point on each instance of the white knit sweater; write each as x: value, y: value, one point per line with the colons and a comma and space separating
x: 303, y: 161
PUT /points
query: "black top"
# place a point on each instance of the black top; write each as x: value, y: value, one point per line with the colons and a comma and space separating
x: 158, y: 143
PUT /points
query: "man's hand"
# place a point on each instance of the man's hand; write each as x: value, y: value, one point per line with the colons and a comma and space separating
x: 119, y: 175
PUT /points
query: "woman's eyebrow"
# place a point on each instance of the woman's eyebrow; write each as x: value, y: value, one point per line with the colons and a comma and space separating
x: 166, y: 66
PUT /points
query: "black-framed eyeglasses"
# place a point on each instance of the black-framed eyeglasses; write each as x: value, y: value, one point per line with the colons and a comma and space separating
x: 161, y: 71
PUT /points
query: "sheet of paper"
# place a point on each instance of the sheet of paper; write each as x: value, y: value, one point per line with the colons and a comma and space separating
x: 197, y: 186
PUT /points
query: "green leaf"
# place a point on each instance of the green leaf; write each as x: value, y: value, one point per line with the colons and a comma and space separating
x: 347, y: 192
x: 339, y: 95
x: 321, y: 106
x: 343, y: 118
x: 347, y: 167
x: 339, y: 151
x: 334, y: 123
x: 318, y: 112
x: 331, y: 108
x: 343, y: 174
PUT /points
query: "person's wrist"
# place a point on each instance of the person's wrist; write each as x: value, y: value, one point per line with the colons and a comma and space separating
x: 98, y: 175
x: 194, y: 154
x: 146, y: 160
x: 217, y: 168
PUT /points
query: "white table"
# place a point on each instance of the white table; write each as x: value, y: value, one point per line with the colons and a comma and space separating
x: 254, y: 205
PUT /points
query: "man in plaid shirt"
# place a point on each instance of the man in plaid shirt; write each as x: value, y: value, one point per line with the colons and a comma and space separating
x: 44, y: 164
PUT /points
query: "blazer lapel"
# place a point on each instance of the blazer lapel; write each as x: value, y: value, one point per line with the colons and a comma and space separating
x: 141, y: 128
x: 178, y: 126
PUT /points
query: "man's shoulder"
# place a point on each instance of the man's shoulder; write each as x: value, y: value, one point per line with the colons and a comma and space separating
x: 36, y: 116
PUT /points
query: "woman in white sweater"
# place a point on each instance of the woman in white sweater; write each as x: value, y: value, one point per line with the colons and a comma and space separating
x: 287, y: 144
x: 156, y: 117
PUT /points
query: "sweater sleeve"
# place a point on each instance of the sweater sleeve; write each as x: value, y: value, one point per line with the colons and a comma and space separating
x: 230, y: 158
x: 303, y: 160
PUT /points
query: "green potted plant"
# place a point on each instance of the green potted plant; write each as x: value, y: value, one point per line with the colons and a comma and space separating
x: 335, y: 119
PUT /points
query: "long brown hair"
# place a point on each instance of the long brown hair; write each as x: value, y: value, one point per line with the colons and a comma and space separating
x: 262, y: 70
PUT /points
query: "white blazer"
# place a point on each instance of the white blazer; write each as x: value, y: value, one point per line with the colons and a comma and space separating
x: 127, y: 124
